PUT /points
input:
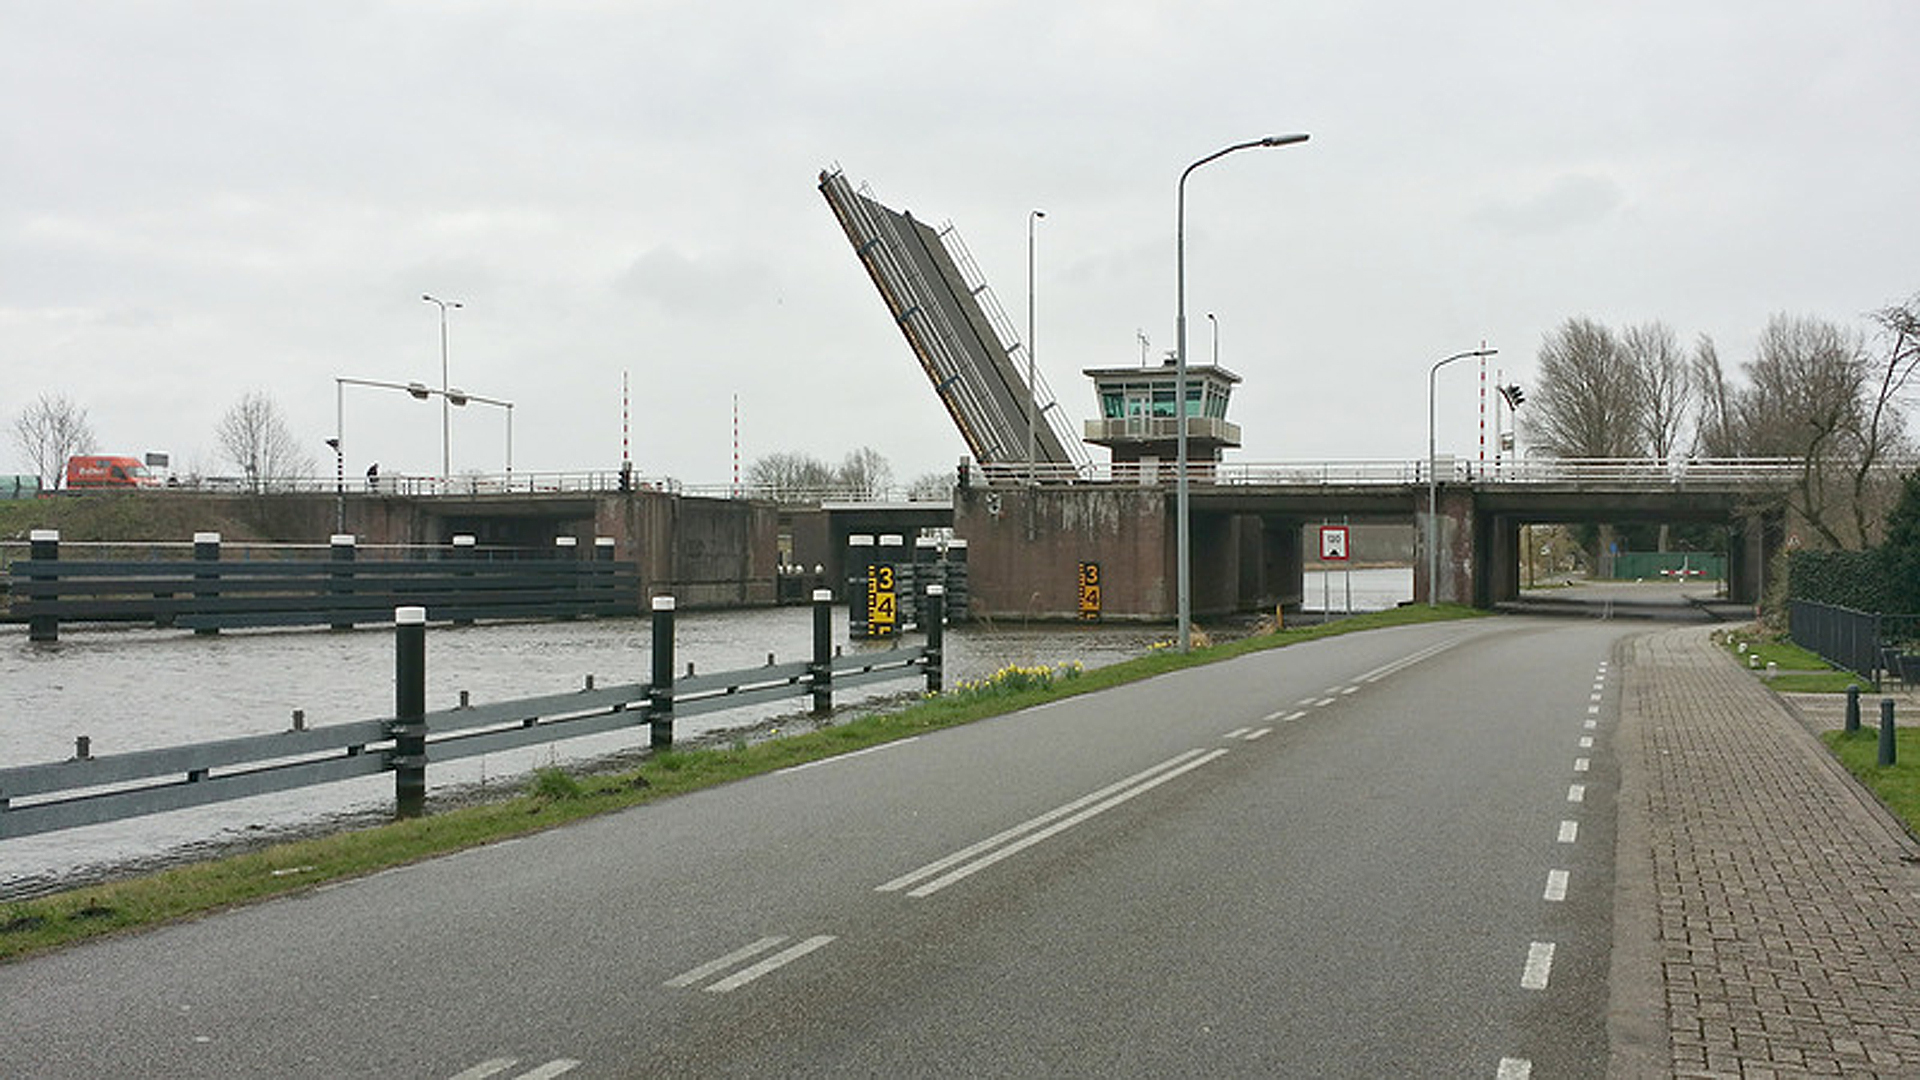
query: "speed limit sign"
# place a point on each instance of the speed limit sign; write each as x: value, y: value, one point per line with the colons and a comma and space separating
x: 1333, y: 543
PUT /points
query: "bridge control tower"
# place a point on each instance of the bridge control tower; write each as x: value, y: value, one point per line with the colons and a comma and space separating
x: 1140, y: 423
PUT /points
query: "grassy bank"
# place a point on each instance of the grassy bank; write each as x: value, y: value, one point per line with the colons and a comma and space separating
x: 1898, y: 786
x: 555, y: 798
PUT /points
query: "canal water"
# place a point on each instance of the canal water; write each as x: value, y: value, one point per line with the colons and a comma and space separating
x: 128, y: 689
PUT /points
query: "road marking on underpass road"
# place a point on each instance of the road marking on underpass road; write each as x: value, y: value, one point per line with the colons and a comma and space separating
x: 496, y: 1066
x: 1590, y: 724
x: 1258, y: 733
x: 1236, y: 733
x: 1576, y: 793
x: 977, y: 857
x: 1514, y: 1069
x: 1539, y: 966
x: 1569, y: 831
x: 1586, y: 742
x: 1581, y: 764
x: 1404, y: 662
x: 1349, y: 690
x: 845, y: 756
x: 1556, y: 886
x: 1323, y: 703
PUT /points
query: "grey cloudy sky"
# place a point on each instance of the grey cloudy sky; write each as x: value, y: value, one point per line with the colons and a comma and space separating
x: 202, y: 199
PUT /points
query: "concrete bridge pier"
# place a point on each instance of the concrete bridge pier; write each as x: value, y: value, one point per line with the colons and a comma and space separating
x: 1462, y: 536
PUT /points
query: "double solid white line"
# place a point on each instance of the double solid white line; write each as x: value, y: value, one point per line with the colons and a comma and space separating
x: 974, y: 858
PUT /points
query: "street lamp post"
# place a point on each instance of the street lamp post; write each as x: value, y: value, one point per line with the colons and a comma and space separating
x: 446, y: 402
x: 1216, y: 338
x: 1433, y: 479
x: 1033, y: 391
x: 1183, y: 582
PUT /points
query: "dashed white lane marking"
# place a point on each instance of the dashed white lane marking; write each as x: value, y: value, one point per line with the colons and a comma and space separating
x: 1576, y: 793
x: 1003, y: 844
x: 1595, y: 696
x: 1295, y: 715
x: 1258, y: 733
x: 1581, y: 764
x: 1514, y: 1069
x: 1556, y: 886
x: 777, y: 960
x: 1323, y: 703
x: 1590, y: 724
x: 845, y: 756
x: 488, y: 1068
x: 1569, y: 832
x: 1593, y: 710
x: 714, y: 967
x: 1539, y: 966
x: 1235, y: 733
x: 1586, y: 742
x: 1349, y: 690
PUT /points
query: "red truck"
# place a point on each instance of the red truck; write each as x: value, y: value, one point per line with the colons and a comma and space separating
x: 107, y: 471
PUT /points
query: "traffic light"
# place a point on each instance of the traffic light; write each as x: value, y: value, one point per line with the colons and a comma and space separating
x: 1513, y: 395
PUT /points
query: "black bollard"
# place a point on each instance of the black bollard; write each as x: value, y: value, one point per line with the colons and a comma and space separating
x: 43, y: 546
x: 206, y: 549
x: 660, y: 689
x: 1887, y: 752
x: 340, y: 581
x: 409, y: 727
x: 820, y: 671
x: 935, y: 619
x: 465, y: 549
x: 1853, y: 708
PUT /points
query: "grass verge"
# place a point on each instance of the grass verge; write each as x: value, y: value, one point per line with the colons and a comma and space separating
x: 1802, y: 672
x: 551, y: 797
x: 1898, y: 786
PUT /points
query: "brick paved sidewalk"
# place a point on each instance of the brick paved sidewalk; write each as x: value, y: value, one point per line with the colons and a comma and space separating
x: 1785, y: 929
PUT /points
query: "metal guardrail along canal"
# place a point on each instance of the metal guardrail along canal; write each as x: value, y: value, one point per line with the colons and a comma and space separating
x: 89, y: 790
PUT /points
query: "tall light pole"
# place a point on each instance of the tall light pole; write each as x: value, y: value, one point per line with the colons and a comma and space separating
x: 1433, y: 479
x: 1183, y: 584
x: 446, y: 403
x: 1216, y: 338
x: 1033, y: 391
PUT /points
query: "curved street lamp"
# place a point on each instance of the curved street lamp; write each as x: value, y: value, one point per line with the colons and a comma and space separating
x: 1183, y: 582
x: 1433, y: 479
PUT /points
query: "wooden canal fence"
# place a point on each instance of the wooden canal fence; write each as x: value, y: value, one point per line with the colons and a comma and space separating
x: 207, y: 593
x: 88, y: 789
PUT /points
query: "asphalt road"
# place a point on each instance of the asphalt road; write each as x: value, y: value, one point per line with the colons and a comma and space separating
x: 1380, y: 854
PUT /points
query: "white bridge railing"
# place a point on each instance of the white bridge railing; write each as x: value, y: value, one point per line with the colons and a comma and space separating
x: 1332, y: 473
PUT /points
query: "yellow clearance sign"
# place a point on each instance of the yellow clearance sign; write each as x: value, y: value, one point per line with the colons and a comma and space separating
x: 882, y: 608
x: 1089, y: 590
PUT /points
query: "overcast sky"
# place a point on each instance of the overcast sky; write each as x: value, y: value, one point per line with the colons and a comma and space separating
x: 202, y: 199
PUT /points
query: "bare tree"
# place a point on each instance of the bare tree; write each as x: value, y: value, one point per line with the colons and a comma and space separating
x: 1715, y: 431
x: 255, y: 438
x: 931, y: 487
x: 50, y: 431
x: 1805, y: 398
x: 789, y: 476
x: 1666, y: 392
x: 1590, y: 402
x: 864, y: 474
